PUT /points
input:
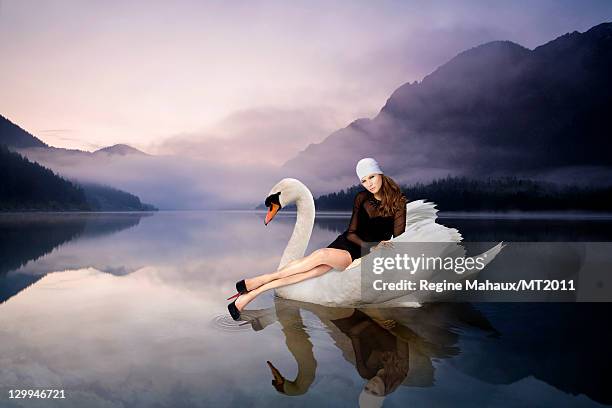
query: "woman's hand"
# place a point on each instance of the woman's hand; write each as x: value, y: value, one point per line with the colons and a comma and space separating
x: 387, y: 324
x: 383, y: 244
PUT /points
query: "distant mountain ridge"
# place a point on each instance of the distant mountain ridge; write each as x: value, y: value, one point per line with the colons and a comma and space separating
x: 28, y: 186
x: 121, y: 150
x: 496, y: 109
x: 14, y: 136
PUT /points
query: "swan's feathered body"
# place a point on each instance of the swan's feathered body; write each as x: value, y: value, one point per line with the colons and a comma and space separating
x: 343, y: 288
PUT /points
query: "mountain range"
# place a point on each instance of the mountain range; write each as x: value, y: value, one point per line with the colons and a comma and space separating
x: 18, y: 139
x: 497, y: 109
x: 30, y: 186
x: 120, y: 150
x: 166, y: 181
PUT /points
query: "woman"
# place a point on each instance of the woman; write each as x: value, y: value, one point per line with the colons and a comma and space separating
x: 381, y: 357
x: 379, y: 212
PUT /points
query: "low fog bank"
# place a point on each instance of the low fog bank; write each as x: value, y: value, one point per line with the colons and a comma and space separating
x: 167, y: 182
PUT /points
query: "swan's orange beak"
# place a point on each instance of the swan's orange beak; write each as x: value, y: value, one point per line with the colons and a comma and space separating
x: 278, y: 380
x: 271, y: 212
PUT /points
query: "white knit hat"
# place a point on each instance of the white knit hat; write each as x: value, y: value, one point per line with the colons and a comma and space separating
x: 366, y: 167
x: 367, y: 400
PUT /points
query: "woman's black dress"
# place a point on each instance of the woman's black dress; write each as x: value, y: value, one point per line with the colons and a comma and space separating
x: 371, y: 338
x: 367, y: 227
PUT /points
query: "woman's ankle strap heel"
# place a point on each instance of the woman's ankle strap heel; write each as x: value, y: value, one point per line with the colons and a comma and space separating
x: 234, y: 296
x: 241, y: 287
x: 233, y: 310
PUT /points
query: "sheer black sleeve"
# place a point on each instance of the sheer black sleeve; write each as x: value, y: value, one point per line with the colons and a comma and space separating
x: 399, y: 222
x: 351, y: 233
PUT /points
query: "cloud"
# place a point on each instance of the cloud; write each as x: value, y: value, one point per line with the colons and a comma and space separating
x: 260, y: 136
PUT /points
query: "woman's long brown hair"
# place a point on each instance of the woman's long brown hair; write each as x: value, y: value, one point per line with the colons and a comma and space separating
x: 395, y: 370
x: 391, y: 196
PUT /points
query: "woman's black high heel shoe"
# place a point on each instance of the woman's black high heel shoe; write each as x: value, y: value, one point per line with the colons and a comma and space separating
x: 233, y: 310
x: 241, y: 288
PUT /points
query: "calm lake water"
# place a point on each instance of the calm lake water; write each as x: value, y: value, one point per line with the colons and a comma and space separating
x: 129, y: 310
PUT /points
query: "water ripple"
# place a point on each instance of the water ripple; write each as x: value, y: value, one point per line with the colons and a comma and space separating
x: 225, y: 323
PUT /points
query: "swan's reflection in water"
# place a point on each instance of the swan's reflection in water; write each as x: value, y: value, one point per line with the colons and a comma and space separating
x: 564, y: 345
x: 388, y: 347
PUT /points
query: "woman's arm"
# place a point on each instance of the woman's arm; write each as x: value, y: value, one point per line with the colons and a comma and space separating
x: 403, y: 348
x: 399, y: 222
x: 351, y: 233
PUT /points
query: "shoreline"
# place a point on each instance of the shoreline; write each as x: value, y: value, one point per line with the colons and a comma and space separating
x: 562, y: 215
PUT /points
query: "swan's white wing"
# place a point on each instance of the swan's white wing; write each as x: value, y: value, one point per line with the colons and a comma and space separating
x: 417, y: 297
x: 418, y: 210
x: 421, y: 225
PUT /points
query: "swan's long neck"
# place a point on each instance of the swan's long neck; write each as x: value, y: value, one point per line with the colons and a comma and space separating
x: 296, y: 247
x: 299, y: 345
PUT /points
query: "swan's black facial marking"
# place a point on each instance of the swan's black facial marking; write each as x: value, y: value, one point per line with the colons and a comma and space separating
x: 273, y: 199
x: 273, y: 204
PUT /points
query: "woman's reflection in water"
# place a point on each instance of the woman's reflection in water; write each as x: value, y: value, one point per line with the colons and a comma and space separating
x: 389, y: 347
x: 380, y: 357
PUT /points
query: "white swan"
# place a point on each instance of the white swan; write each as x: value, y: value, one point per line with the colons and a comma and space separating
x: 343, y: 288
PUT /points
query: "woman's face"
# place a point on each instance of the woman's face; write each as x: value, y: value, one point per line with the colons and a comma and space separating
x: 376, y: 386
x: 372, y: 182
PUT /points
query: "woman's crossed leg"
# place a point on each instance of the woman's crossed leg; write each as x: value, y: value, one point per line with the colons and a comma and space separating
x: 336, y: 258
x: 318, y: 263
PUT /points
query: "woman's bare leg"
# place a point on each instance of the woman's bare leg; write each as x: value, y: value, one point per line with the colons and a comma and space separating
x: 336, y: 258
x: 243, y: 300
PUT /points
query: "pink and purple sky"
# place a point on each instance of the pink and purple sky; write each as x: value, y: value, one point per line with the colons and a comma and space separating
x: 269, y: 77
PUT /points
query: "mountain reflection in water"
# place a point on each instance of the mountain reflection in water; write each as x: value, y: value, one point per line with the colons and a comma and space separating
x: 129, y: 311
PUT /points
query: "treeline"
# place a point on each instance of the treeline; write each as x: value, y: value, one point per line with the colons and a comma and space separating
x: 105, y: 198
x: 28, y: 186
x: 500, y: 194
